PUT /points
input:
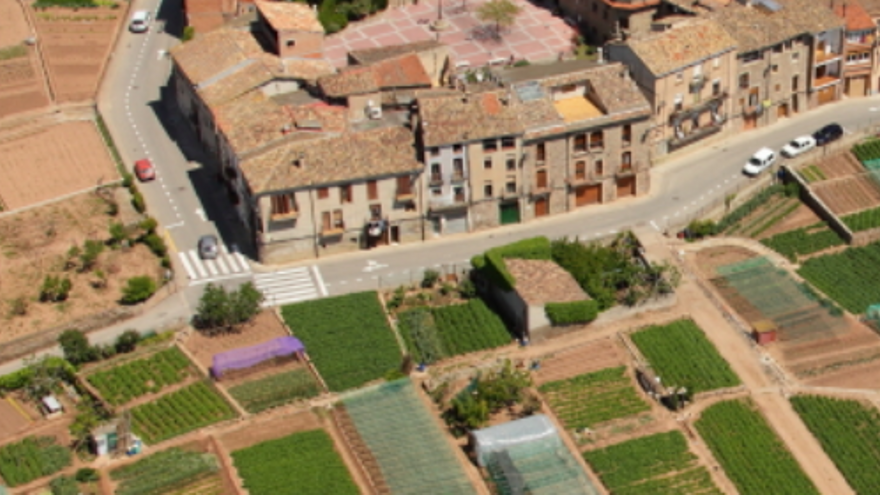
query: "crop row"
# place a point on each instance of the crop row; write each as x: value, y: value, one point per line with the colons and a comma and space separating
x: 179, y: 412
x: 162, y: 471
x: 134, y: 379
x: 753, y: 457
x: 275, y: 390
x: 869, y: 150
x: 849, y: 433
x: 592, y: 398
x: 304, y: 462
x: 32, y: 458
x: 347, y: 337
x: 656, y: 464
x: 848, y: 277
x: 863, y: 220
x: 812, y: 173
x: 798, y: 242
x: 681, y: 356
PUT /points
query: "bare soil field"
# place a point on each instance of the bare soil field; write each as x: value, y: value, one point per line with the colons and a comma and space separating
x: 75, y: 45
x: 594, y: 356
x: 13, y: 419
x: 52, y: 162
x: 266, y: 427
x: 22, y: 88
x: 13, y: 24
x: 840, y: 165
x: 849, y: 194
x: 34, y: 244
x: 265, y: 326
x: 709, y: 259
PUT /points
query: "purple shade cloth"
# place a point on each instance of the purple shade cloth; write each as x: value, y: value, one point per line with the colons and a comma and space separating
x: 246, y: 357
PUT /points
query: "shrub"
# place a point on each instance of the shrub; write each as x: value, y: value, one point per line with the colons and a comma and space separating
x: 127, y: 180
x: 127, y: 341
x: 89, y: 255
x: 467, y: 289
x: 76, y: 347
x: 63, y: 485
x: 117, y: 232
x: 568, y: 313
x: 55, y: 289
x: 189, y: 33
x: 18, y: 306
x: 87, y: 475
x: 430, y: 278
x: 521, y: 63
x: 148, y: 224
x: 156, y: 244
x: 702, y: 228
x: 138, y: 289
x: 137, y: 202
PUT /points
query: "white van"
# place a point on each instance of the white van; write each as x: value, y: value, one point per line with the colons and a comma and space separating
x: 140, y: 21
x: 763, y: 159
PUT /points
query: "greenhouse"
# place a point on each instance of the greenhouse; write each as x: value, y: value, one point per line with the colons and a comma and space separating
x: 528, y: 456
x: 246, y: 357
x: 408, y: 444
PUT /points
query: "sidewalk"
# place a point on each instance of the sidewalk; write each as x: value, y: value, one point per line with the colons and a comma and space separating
x: 171, y: 312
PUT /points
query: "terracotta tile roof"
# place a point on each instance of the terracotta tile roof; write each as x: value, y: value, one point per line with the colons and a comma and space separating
x: 539, y: 282
x: 207, y: 55
x: 451, y: 119
x: 333, y: 159
x: 855, y: 16
x: 615, y: 91
x: 254, y: 121
x: 204, y: 22
x: 405, y: 71
x: 252, y: 75
x: 872, y: 7
x: 755, y: 28
x: 372, y: 55
x: 290, y: 16
x: 686, y: 43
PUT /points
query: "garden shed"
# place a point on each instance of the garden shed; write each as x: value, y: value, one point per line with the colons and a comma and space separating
x: 246, y: 357
x: 538, y: 282
x: 51, y: 407
x: 528, y: 456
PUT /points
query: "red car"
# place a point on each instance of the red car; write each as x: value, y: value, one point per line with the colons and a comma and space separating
x: 144, y: 170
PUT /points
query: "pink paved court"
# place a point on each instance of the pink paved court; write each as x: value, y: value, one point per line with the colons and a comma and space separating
x: 537, y: 35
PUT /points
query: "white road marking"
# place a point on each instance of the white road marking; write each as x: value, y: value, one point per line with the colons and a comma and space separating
x: 186, y: 266
x: 212, y: 267
x: 320, y: 280
x: 655, y: 226
x: 174, y: 225
x: 223, y: 268
x: 197, y: 262
x: 201, y: 213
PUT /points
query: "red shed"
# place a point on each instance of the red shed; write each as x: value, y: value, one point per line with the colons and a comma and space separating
x: 764, y: 331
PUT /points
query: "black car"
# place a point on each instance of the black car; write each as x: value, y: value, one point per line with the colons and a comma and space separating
x: 827, y: 134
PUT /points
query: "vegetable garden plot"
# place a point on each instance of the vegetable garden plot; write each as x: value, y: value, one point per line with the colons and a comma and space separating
x: 802, y: 242
x: 304, y: 463
x: 681, y: 355
x: 431, y: 334
x: 134, y: 379
x: 275, y: 390
x: 347, y: 337
x: 32, y: 458
x: 593, y: 398
x: 162, y: 472
x: 863, y: 220
x: 848, y: 277
x: 653, y: 465
x: 753, y: 457
x: 849, y: 432
x: 179, y: 412
x: 542, y: 467
x: 779, y: 298
x: 406, y: 441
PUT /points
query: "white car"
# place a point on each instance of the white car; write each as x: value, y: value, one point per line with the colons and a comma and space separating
x: 140, y: 21
x: 763, y: 159
x: 798, y: 145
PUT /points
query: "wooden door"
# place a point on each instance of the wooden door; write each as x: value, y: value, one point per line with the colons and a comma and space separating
x: 782, y: 110
x: 750, y: 122
x: 541, y: 207
x: 827, y: 95
x: 626, y: 186
x: 588, y: 195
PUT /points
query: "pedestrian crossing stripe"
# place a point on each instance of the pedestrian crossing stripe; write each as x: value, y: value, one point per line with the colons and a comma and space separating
x: 227, y: 264
x: 286, y: 286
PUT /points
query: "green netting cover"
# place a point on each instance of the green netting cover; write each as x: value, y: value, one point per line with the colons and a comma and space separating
x: 411, y: 449
x: 873, y: 164
x: 873, y: 312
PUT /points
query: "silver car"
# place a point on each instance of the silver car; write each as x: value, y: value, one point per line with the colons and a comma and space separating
x: 209, y: 248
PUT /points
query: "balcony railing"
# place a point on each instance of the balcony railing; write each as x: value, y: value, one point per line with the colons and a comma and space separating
x: 822, y: 57
x: 694, y: 136
x: 288, y: 215
x: 825, y: 80
x: 405, y: 193
x: 458, y: 177
x: 448, y: 202
x: 698, y: 108
x: 336, y: 228
x: 436, y: 179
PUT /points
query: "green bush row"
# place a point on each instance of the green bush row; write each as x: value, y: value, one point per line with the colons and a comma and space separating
x: 748, y: 207
x: 491, y: 263
x: 568, y: 313
x: 22, y: 377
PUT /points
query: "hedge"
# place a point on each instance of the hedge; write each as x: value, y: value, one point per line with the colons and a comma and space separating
x: 20, y: 378
x: 491, y: 263
x: 568, y: 313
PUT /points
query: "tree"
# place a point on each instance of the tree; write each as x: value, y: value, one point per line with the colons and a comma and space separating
x: 86, y: 420
x: 76, y: 347
x: 502, y: 13
x: 138, y: 289
x: 222, y: 311
x: 42, y: 376
x: 89, y: 255
x: 55, y: 289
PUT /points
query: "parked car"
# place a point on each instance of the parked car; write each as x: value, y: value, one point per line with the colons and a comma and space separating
x: 144, y: 170
x: 209, y: 248
x: 827, y: 134
x: 798, y: 146
x: 763, y: 159
x: 140, y: 21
